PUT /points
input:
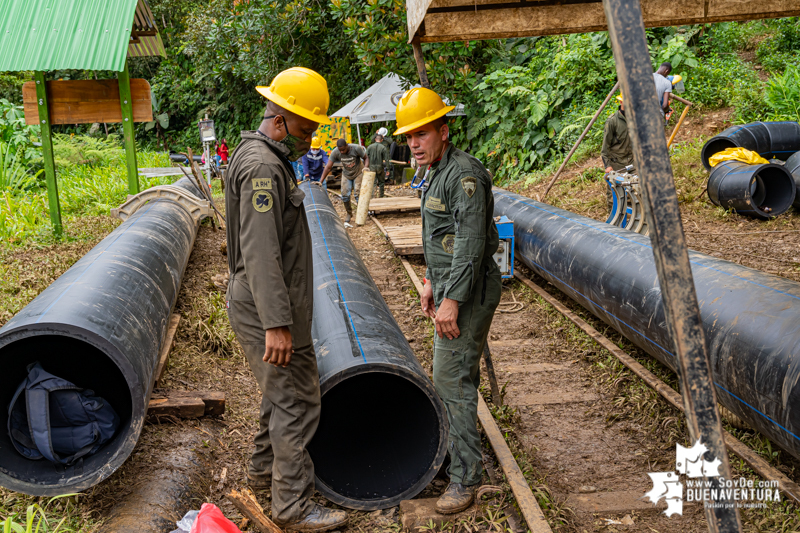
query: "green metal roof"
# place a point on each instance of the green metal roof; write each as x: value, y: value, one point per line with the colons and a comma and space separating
x: 65, y: 34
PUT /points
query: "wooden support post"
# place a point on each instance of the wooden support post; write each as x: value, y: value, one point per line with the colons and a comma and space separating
x: 126, y: 102
x: 47, y: 153
x: 423, y: 72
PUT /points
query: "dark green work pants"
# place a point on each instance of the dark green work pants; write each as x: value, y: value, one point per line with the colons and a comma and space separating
x: 290, y: 409
x: 456, y: 376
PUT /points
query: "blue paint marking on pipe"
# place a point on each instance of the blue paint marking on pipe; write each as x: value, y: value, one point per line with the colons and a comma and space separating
x: 336, y: 276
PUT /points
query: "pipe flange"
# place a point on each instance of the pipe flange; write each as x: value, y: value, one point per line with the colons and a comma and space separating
x: 199, y: 209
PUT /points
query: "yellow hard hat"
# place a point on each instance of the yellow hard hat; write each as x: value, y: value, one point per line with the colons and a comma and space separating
x: 619, y: 98
x: 301, y: 91
x: 316, y: 142
x: 418, y: 107
x: 677, y: 79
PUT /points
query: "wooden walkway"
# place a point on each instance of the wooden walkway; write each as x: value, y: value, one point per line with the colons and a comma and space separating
x: 394, y: 204
x: 406, y: 240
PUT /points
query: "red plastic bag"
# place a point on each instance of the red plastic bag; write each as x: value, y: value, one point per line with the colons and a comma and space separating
x: 211, y: 520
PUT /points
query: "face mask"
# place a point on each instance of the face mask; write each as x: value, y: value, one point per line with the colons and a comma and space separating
x: 315, y: 151
x: 290, y: 141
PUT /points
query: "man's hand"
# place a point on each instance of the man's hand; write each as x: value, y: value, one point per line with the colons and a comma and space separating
x: 278, y: 343
x: 428, y: 307
x: 609, y: 169
x: 446, y: 319
x: 308, y: 175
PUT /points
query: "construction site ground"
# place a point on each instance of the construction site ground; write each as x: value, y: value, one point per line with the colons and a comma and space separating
x: 585, y: 431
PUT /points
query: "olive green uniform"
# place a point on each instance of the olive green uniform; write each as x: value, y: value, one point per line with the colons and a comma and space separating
x: 617, y: 151
x: 459, y: 238
x: 378, y: 163
x: 270, y: 261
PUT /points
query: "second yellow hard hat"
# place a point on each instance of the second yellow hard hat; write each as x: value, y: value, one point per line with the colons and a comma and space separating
x: 301, y: 91
x: 418, y: 107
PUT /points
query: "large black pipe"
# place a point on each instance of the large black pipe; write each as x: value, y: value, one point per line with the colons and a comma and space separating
x: 100, y: 325
x: 382, y: 435
x: 773, y: 140
x: 793, y: 166
x: 763, y: 191
x: 751, y: 319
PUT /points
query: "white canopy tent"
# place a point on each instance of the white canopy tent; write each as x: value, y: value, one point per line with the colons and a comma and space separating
x: 378, y: 103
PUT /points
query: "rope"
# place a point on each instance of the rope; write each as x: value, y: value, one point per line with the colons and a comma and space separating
x: 512, y: 307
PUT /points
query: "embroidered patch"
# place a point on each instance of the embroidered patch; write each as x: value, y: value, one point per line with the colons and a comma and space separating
x: 262, y: 184
x: 262, y: 201
x: 435, y: 204
x: 469, y: 184
x: 448, y: 242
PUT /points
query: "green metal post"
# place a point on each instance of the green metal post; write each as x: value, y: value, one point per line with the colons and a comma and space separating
x: 127, y: 129
x: 47, y: 153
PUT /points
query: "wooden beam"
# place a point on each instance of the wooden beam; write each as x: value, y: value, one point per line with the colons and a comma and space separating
x: 187, y: 404
x: 249, y: 507
x: 126, y: 103
x: 43, y: 115
x: 420, y: 60
x: 459, y: 20
x: 166, y: 347
x: 87, y: 101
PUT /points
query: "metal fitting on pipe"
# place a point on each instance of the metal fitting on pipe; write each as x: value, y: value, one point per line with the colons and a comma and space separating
x: 751, y: 319
x: 764, y: 191
x: 773, y: 140
x: 383, y: 431
x: 100, y: 325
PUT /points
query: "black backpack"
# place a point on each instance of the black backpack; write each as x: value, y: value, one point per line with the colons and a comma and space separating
x: 58, y: 421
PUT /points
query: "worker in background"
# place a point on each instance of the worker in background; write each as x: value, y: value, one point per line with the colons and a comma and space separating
x: 353, y: 158
x: 617, y: 151
x: 462, y: 282
x: 270, y: 294
x: 314, y: 162
x: 387, y: 142
x: 378, y: 162
x: 222, y: 152
x: 663, y: 86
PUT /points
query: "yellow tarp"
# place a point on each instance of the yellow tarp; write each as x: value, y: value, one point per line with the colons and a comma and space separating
x: 737, y: 154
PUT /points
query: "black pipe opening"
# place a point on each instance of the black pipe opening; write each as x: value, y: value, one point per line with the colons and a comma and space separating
x: 714, y: 146
x: 84, y: 365
x: 774, y: 189
x: 377, y: 439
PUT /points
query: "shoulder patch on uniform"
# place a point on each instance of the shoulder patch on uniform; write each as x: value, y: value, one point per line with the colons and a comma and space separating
x: 260, y: 184
x: 448, y: 243
x: 435, y: 204
x: 469, y: 184
x: 262, y: 201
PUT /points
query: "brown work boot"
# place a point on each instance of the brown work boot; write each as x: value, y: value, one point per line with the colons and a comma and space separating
x: 259, y: 482
x: 319, y: 519
x: 456, y: 498
x: 349, y: 210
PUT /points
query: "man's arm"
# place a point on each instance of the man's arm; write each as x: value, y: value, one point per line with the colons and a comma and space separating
x: 608, y: 135
x: 329, y: 165
x: 665, y: 103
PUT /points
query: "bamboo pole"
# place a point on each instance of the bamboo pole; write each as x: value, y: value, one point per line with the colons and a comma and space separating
x: 580, y: 140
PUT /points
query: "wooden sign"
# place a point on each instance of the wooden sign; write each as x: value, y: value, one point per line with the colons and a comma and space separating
x: 87, y: 101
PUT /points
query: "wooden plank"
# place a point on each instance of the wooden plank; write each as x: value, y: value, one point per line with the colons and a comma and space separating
x: 457, y: 20
x: 519, y: 486
x: 214, y: 401
x: 247, y: 504
x: 756, y: 462
x: 87, y: 101
x: 393, y: 205
x: 177, y: 407
x: 406, y: 240
x: 166, y: 347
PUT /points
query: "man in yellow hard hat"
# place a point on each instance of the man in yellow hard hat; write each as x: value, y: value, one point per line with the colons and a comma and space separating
x: 462, y: 282
x: 270, y: 294
x: 617, y: 151
x: 314, y: 161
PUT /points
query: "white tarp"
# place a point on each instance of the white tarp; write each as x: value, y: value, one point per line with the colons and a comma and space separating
x: 378, y: 103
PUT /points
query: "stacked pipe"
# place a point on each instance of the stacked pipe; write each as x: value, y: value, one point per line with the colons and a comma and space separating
x: 751, y: 319
x: 100, y: 325
x: 763, y: 191
x: 793, y: 167
x: 383, y: 431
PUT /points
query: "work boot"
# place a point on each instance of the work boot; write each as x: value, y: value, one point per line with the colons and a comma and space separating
x: 259, y: 482
x: 456, y: 498
x: 319, y: 519
x: 380, y: 191
x: 349, y: 209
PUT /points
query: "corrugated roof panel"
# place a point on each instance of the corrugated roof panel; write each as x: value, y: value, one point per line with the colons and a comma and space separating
x: 147, y: 46
x: 65, y: 34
